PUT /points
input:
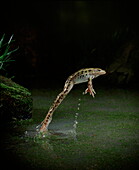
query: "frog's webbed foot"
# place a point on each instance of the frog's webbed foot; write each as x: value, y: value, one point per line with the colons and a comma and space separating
x: 91, y: 91
x: 43, y: 128
x: 90, y: 88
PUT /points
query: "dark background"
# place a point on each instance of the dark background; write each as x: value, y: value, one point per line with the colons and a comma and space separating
x: 57, y: 38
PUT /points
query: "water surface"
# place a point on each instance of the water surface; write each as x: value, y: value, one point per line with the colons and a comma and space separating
x: 100, y: 133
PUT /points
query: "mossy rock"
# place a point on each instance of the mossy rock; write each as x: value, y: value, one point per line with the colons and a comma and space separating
x: 15, y: 100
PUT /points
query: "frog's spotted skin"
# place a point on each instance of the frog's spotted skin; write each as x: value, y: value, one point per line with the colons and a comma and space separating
x: 80, y: 76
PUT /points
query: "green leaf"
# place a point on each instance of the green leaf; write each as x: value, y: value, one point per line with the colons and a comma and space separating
x: 9, y: 53
x: 10, y: 39
x: 5, y: 57
x: 1, y: 41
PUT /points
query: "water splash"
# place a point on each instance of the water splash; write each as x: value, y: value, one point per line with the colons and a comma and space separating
x: 76, y: 120
x: 33, y: 133
x: 58, y: 133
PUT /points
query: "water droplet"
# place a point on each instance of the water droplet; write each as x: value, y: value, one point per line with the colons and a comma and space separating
x: 37, y: 130
x: 76, y: 122
x: 37, y: 126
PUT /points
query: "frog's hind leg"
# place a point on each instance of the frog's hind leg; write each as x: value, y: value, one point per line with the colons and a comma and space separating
x: 56, y: 103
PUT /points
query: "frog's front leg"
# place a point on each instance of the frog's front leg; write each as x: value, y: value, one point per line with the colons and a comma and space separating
x: 90, y: 88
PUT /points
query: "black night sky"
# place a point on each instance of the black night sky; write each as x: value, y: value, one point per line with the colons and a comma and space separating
x: 57, y: 38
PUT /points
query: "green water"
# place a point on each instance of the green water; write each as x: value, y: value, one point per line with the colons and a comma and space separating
x: 106, y: 135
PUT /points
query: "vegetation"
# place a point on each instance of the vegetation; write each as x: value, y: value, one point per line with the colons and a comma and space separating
x: 5, y: 53
x: 15, y: 100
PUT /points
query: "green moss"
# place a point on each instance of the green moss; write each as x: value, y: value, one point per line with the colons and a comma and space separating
x: 16, y: 100
x: 15, y: 88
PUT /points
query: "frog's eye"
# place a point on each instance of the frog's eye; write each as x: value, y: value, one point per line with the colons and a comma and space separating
x: 99, y: 70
